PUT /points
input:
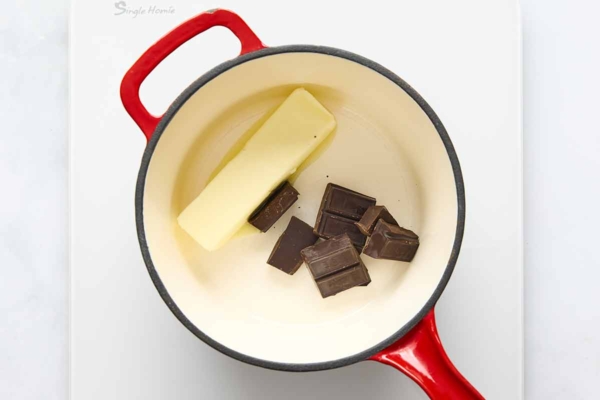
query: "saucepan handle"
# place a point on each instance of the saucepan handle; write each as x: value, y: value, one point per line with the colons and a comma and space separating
x: 130, y: 86
x: 419, y: 354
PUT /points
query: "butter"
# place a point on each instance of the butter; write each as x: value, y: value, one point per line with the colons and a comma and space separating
x: 245, y: 230
x: 269, y: 157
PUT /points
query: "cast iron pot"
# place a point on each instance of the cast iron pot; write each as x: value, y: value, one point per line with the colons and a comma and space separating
x: 389, y: 143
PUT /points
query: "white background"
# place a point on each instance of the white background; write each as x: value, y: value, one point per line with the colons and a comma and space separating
x: 561, y: 83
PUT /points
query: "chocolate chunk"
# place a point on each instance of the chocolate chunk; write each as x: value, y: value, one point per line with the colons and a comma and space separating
x: 335, y: 265
x: 278, y: 202
x: 286, y: 253
x: 346, y: 279
x: 391, y: 242
x: 371, y: 216
x: 333, y: 225
x: 345, y: 202
x: 340, y: 209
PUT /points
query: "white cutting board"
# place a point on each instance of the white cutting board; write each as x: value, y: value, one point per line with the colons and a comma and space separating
x: 463, y: 56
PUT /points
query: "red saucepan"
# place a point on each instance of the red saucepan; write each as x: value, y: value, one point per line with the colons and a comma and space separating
x: 389, y: 143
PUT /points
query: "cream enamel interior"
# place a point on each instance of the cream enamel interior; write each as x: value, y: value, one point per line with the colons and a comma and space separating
x: 384, y: 146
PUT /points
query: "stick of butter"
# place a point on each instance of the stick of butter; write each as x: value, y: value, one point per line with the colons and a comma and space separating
x: 272, y: 154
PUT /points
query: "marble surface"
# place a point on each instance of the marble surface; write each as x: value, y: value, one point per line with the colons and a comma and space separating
x: 33, y: 212
x: 561, y: 195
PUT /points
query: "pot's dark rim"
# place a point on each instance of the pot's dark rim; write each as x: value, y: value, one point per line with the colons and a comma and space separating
x: 139, y: 206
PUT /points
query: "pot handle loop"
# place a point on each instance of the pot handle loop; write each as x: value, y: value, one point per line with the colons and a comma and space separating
x: 130, y: 85
x: 419, y: 354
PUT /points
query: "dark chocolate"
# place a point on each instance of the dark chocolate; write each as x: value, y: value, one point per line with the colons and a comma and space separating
x: 335, y: 265
x: 274, y: 206
x: 391, y: 242
x: 345, y: 202
x: 371, y: 216
x: 333, y: 225
x: 286, y: 253
x: 339, y: 210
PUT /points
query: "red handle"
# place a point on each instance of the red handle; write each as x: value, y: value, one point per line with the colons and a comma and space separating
x: 130, y: 86
x: 420, y: 355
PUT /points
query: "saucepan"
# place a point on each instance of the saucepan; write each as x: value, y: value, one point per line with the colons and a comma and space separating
x: 389, y: 143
